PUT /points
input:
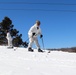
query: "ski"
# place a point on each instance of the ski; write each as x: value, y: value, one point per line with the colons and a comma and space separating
x: 10, y: 47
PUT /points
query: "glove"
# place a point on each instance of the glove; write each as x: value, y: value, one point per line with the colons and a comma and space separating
x: 33, y: 34
x: 41, y: 36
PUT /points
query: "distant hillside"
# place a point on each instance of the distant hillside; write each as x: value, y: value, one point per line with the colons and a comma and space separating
x: 72, y: 49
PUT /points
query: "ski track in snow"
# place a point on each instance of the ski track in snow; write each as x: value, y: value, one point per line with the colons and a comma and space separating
x: 22, y: 62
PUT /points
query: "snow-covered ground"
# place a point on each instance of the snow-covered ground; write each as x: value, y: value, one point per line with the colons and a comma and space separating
x: 22, y: 62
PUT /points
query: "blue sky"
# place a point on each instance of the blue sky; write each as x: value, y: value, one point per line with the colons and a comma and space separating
x: 58, y: 27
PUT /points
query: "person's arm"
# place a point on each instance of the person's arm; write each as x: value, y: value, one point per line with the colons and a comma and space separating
x: 31, y: 31
x: 8, y: 35
x: 40, y: 33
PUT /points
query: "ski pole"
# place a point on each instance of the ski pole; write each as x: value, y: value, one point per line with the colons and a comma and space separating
x: 43, y: 43
x: 27, y: 39
x: 17, y: 47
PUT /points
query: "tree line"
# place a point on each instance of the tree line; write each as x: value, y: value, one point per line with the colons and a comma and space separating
x: 72, y: 49
x: 5, y: 25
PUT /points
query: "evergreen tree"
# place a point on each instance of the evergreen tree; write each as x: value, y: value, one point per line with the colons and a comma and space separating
x: 5, y: 25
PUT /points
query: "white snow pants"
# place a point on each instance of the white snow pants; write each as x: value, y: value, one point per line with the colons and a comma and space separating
x: 33, y: 40
x: 10, y: 43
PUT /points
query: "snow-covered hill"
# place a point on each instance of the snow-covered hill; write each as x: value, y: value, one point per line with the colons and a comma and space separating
x: 22, y: 62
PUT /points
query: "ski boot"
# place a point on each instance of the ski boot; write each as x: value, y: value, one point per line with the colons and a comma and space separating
x: 39, y: 50
x: 30, y: 49
x: 10, y: 47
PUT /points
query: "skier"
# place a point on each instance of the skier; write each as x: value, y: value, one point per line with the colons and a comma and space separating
x: 32, y: 34
x: 9, y: 38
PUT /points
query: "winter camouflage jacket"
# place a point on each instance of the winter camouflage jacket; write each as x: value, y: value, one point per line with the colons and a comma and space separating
x: 34, y: 29
x: 9, y: 36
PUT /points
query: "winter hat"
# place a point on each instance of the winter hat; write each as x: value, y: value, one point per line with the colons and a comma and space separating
x: 37, y: 21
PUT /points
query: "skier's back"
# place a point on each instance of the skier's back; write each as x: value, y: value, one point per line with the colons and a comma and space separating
x: 9, y: 38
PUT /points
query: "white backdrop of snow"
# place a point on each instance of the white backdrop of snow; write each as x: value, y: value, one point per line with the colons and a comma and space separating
x: 22, y: 62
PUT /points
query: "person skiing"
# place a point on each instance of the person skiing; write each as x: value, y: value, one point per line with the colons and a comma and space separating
x: 32, y: 34
x: 9, y: 38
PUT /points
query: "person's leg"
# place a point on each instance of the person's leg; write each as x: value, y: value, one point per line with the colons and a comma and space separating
x: 11, y: 45
x: 8, y: 43
x: 37, y: 44
x: 31, y: 40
